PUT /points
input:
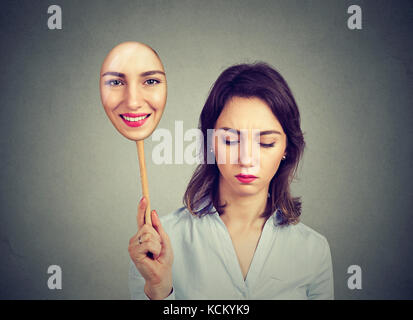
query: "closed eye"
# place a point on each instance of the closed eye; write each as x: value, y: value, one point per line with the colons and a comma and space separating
x: 231, y: 142
x: 267, y: 145
x: 264, y: 145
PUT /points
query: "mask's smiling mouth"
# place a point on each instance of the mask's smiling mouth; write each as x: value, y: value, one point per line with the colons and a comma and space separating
x: 135, y: 120
x: 134, y: 117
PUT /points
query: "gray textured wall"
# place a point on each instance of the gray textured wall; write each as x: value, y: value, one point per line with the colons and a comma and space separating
x: 70, y: 183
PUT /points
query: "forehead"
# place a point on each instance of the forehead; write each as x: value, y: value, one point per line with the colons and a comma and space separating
x: 248, y: 113
x: 131, y: 58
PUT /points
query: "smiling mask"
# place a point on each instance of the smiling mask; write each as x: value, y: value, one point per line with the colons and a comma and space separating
x: 133, y: 89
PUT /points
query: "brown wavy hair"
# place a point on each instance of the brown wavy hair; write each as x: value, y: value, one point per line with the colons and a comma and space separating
x: 250, y: 80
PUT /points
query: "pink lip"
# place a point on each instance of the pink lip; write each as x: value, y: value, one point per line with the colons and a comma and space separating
x: 134, y: 115
x: 245, y: 178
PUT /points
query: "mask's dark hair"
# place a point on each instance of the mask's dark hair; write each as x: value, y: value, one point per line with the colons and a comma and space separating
x: 251, y: 80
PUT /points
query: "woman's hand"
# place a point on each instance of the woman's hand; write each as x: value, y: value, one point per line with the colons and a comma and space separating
x: 151, y: 251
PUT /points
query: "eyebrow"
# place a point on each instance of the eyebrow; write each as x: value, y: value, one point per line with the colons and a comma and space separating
x: 152, y: 72
x: 261, y: 132
x: 143, y: 74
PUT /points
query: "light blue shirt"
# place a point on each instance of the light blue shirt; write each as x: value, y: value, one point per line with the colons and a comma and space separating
x: 290, y: 262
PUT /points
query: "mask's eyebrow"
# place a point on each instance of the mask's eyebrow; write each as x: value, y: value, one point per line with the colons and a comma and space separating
x: 112, y: 73
x: 143, y: 74
x: 152, y: 72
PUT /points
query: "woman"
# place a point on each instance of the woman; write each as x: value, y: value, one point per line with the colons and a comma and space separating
x: 239, y: 235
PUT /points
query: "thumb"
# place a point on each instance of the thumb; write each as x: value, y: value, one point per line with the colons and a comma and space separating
x: 166, y: 250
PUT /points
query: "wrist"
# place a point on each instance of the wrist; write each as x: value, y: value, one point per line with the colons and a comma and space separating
x: 157, y: 293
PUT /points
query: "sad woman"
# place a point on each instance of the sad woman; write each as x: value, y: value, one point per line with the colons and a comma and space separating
x: 239, y: 235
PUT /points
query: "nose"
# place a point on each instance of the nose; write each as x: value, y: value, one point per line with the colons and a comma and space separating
x: 135, y: 96
x: 248, y: 153
x: 245, y: 158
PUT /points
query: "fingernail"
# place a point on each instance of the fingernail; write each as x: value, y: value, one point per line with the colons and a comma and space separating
x: 155, y: 214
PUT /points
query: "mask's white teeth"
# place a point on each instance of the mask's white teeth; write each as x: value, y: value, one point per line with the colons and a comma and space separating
x: 134, y: 119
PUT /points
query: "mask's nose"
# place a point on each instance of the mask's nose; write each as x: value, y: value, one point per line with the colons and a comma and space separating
x: 135, y: 97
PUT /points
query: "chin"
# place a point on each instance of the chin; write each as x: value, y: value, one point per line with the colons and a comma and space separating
x: 137, y: 136
x: 246, y: 191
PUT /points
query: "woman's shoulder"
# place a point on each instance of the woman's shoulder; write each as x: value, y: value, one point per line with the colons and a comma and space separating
x: 305, y: 236
x: 303, y: 230
x: 182, y: 226
x: 177, y: 218
x: 305, y: 245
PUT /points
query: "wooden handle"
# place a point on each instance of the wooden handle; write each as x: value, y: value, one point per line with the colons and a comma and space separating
x: 144, y: 179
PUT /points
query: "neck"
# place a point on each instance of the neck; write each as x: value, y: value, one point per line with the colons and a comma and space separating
x: 243, y: 213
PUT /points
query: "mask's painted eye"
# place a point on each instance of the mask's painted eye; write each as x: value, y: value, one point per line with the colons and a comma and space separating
x: 151, y: 82
x: 114, y: 82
